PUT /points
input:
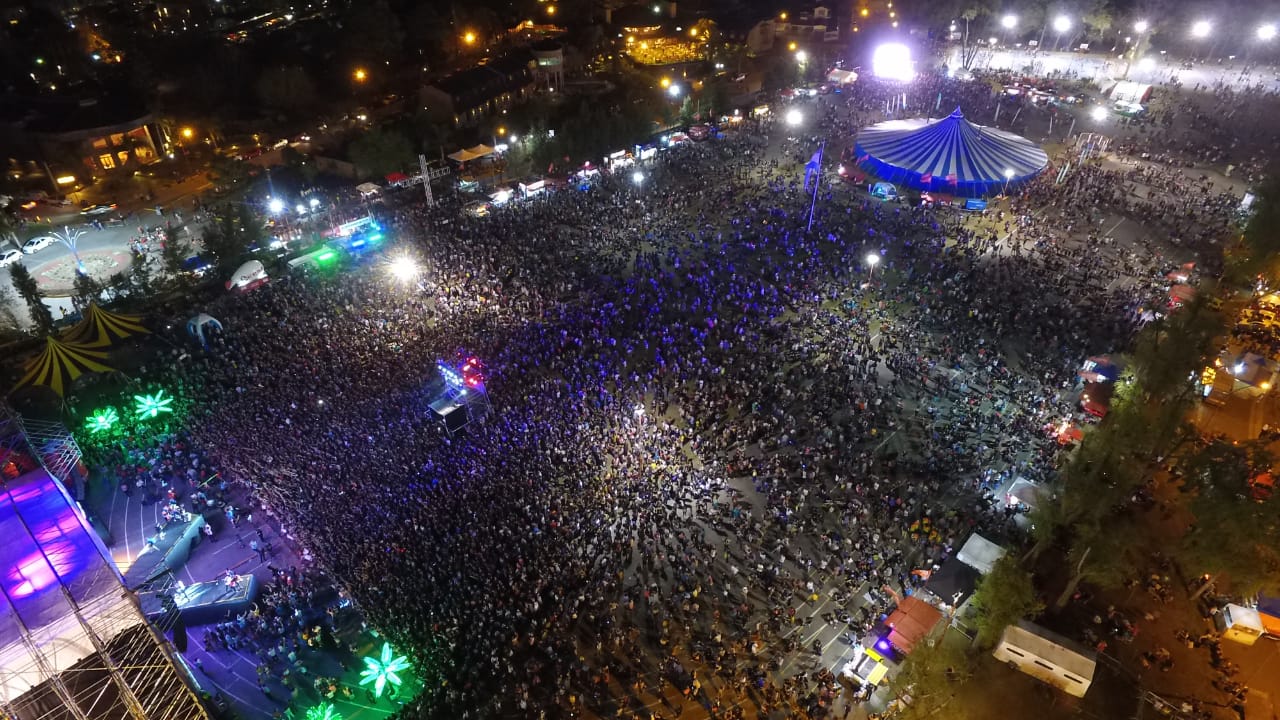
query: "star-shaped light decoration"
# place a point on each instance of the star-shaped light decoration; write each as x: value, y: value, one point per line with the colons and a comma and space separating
x: 102, y: 419
x: 323, y: 711
x: 383, y: 670
x: 149, y: 406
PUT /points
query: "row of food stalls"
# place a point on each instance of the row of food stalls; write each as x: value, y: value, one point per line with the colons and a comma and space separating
x: 943, y: 602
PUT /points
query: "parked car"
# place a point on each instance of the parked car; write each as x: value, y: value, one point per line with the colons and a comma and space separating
x: 9, y: 257
x: 196, y: 266
x: 36, y: 244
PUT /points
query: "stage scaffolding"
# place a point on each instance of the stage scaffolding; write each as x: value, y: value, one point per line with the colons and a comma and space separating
x: 74, y: 644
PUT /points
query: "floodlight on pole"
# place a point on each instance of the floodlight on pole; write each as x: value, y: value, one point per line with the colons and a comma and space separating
x: 794, y: 117
x: 1201, y: 29
x: 1267, y: 32
x: 1099, y: 113
x: 892, y: 61
x: 637, y: 177
x: 1009, y: 22
x: 802, y: 57
x: 1141, y: 26
x: 1061, y: 24
x: 873, y: 259
x: 314, y: 203
x: 674, y: 90
x: 275, y: 205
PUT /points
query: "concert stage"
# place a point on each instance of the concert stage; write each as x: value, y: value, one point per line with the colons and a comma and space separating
x: 168, y: 553
x: 205, y: 602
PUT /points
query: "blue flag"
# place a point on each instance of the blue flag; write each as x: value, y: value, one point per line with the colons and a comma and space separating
x: 811, y: 168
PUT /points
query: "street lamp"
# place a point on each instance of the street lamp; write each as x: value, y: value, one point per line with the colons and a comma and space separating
x: 873, y: 259
x: 188, y: 133
x: 1061, y: 24
x: 275, y: 205
x: 469, y: 38
x: 1201, y: 29
x: 1099, y: 113
x: 360, y: 75
x: 314, y: 202
x: 1008, y: 175
x: 794, y: 117
x: 674, y: 90
x: 1267, y: 32
x: 1009, y: 22
x: 1141, y: 26
x: 637, y: 177
x: 802, y: 57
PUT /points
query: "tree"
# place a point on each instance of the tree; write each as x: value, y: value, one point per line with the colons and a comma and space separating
x: 1235, y: 535
x: 1004, y: 596
x: 175, y: 251
x: 380, y: 152
x: 930, y: 679
x: 86, y: 290
x: 372, y: 32
x: 8, y: 318
x: 140, y: 278
x: 224, y: 244
x: 286, y: 88
x: 971, y: 10
x: 1099, y: 18
x: 29, y: 291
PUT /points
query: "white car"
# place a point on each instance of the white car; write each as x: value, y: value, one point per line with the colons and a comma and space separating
x: 9, y: 257
x: 36, y: 244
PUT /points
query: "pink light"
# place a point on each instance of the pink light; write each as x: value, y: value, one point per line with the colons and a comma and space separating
x: 31, y: 575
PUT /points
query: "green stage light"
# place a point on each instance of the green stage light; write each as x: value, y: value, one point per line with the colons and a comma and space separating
x: 382, y: 670
x: 323, y: 711
x: 102, y: 419
x: 149, y: 406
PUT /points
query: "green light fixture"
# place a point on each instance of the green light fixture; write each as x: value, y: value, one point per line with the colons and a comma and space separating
x: 102, y: 419
x: 149, y: 406
x: 382, y: 670
x: 323, y: 711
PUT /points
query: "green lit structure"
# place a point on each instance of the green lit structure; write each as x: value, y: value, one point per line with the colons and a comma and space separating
x: 149, y: 406
x: 102, y: 419
x: 382, y: 670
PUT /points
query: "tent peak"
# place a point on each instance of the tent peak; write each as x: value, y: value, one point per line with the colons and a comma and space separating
x: 956, y: 114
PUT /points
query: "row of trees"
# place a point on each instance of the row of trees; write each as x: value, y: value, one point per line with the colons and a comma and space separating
x: 1088, y: 523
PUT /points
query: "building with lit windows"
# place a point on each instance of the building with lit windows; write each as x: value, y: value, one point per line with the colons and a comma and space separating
x: 53, y: 137
x: 468, y: 96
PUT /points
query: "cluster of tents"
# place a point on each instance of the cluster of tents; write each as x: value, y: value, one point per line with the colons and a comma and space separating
x: 83, y: 347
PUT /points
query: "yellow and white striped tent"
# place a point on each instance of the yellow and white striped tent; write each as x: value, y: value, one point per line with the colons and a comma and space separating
x: 60, y: 364
x: 102, y: 328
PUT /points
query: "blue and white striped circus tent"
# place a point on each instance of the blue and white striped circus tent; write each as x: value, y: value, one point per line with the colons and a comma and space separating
x: 950, y: 155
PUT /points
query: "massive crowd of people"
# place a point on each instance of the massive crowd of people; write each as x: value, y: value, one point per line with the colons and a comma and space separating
x: 705, y: 417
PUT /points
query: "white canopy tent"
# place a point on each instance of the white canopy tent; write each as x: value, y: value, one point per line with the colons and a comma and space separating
x: 842, y: 77
x: 471, y: 153
x: 196, y: 326
x: 979, y: 553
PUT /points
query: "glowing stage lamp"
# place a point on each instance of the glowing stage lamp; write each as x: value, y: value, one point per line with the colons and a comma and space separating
x: 383, y: 670
x: 149, y: 406
x: 404, y: 268
x: 892, y: 61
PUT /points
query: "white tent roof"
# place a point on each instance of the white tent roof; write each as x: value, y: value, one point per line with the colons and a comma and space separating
x: 471, y: 153
x: 980, y: 553
x: 842, y: 76
x: 368, y: 188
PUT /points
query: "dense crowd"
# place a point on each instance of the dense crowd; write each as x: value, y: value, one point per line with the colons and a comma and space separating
x: 706, y: 419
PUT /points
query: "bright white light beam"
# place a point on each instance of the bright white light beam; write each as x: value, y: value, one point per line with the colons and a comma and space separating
x: 892, y: 61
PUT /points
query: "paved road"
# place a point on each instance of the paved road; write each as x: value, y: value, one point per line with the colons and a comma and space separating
x: 1101, y: 67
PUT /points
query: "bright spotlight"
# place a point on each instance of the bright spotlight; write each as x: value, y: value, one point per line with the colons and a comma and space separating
x: 1267, y: 32
x: 1141, y: 26
x: 300, y: 208
x: 1202, y: 28
x: 892, y: 61
x: 314, y: 202
x: 637, y: 177
x: 1008, y: 174
x: 1099, y: 113
x: 404, y: 268
x: 674, y: 90
x: 794, y: 117
x: 1008, y: 22
x: 1147, y: 63
x: 873, y: 259
x: 1061, y: 24
x: 275, y: 205
x: 802, y: 57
